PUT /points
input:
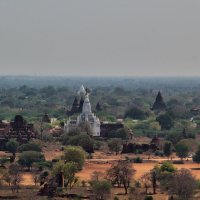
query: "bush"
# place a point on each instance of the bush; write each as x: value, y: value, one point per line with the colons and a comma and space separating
x: 12, y: 146
x: 27, y: 158
x: 167, y: 167
x: 137, y: 160
x: 139, y: 151
x: 135, y: 113
x: 198, y: 184
x: 47, y: 137
x: 3, y: 161
x: 115, y: 145
x: 165, y: 121
x: 97, y: 145
x: 177, y: 162
x: 76, y: 155
x: 101, y: 188
x: 148, y: 198
x: 159, y: 153
x: 30, y: 147
x: 83, y: 140
x: 122, y: 133
x: 42, y: 165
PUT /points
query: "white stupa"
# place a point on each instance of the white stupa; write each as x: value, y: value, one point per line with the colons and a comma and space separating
x: 85, y: 116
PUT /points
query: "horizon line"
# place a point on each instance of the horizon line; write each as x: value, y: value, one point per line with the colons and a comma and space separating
x: 106, y: 76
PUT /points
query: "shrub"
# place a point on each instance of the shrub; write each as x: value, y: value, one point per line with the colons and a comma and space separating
x: 75, y: 154
x: 43, y: 164
x: 122, y: 133
x: 12, y: 146
x: 83, y: 140
x: 97, y: 145
x: 177, y: 162
x: 198, y: 184
x: 148, y: 198
x: 27, y: 158
x: 47, y: 137
x: 101, y: 188
x: 159, y: 153
x: 135, y: 113
x: 167, y: 167
x: 137, y: 160
x: 30, y: 147
x: 115, y: 145
x: 139, y: 151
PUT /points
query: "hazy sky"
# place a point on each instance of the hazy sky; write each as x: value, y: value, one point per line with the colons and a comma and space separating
x: 100, y: 37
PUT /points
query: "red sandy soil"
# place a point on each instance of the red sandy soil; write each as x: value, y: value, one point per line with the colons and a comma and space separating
x: 91, y: 167
x: 141, y: 169
x: 101, y: 162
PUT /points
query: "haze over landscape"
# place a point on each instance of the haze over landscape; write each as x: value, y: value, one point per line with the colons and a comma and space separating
x: 100, y: 38
x: 100, y: 99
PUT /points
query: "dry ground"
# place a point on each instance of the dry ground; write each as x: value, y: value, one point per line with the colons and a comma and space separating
x: 100, y: 162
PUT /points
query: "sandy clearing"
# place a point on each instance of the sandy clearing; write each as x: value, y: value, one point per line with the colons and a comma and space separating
x: 141, y: 169
x: 27, y: 179
x: 90, y: 168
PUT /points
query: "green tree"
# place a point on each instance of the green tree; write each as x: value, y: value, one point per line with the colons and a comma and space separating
x: 167, y: 149
x: 122, y: 133
x: 120, y: 174
x: 192, y: 144
x: 75, y: 154
x: 154, y: 174
x: 145, y: 181
x: 165, y: 121
x: 101, y: 189
x: 115, y: 145
x: 68, y: 172
x: 183, y: 184
x: 27, y: 158
x: 32, y: 146
x: 135, y: 113
x: 165, y: 175
x: 12, y: 146
x: 167, y: 167
x: 83, y: 140
x: 182, y: 151
x: 196, y: 157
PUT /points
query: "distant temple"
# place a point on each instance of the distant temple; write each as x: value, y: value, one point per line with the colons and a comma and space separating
x: 85, y: 116
x: 159, y: 103
x: 18, y: 129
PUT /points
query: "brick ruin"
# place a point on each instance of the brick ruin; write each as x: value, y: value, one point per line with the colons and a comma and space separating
x: 18, y: 129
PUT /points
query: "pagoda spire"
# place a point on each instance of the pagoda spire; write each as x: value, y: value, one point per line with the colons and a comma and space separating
x: 159, y: 103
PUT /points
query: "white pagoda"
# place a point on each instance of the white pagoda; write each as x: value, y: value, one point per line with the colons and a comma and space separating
x: 85, y: 116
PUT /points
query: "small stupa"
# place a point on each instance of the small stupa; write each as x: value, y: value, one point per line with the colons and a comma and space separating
x: 98, y: 107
